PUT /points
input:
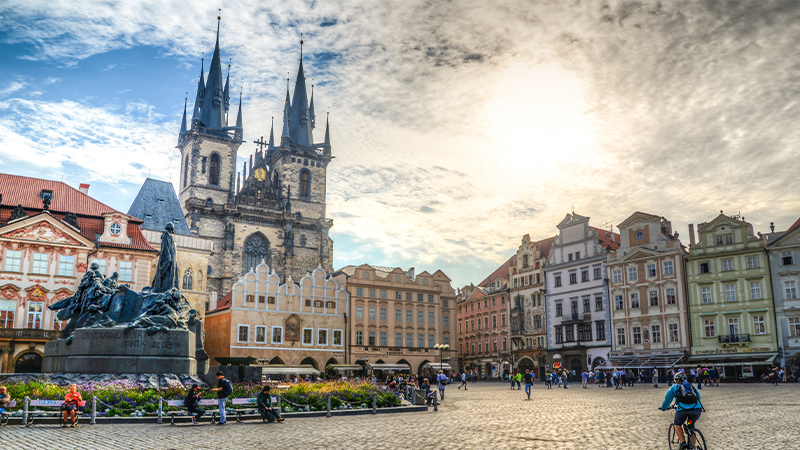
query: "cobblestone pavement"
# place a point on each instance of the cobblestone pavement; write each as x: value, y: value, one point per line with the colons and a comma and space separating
x: 487, y: 416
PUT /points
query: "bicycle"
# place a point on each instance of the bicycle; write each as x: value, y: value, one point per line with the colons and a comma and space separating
x: 692, y: 435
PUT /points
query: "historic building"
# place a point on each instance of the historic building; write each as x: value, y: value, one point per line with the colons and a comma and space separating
x: 483, y: 330
x: 50, y: 233
x: 296, y: 323
x: 274, y: 210
x: 157, y: 205
x: 730, y: 298
x: 650, y: 321
x: 397, y: 318
x: 578, y: 316
x: 527, y: 306
x: 784, y: 263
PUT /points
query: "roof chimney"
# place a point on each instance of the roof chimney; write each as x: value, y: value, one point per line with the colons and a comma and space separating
x: 691, y: 235
x: 213, y: 303
x: 84, y: 187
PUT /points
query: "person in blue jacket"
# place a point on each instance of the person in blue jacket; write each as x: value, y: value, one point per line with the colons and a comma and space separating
x: 687, y: 406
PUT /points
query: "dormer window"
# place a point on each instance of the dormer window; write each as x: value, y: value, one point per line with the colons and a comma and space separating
x: 115, y: 229
x: 46, y: 194
x: 161, y: 200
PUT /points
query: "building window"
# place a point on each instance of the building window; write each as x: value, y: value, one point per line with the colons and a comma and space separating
x: 708, y: 324
x: 472, y: 325
x: 559, y: 309
x: 655, y: 331
x: 494, y: 344
x: 101, y: 265
x: 619, y: 303
x: 598, y: 302
x: 359, y: 312
x: 651, y: 270
x: 409, y: 316
x: 445, y: 304
x: 383, y: 293
x: 573, y: 278
x: 261, y: 334
x: 359, y: 337
x: 755, y: 290
x: 65, y: 264
x: 187, y: 280
x: 633, y: 274
x: 733, y: 325
x: 420, y: 317
x: 728, y: 239
x: 35, y: 315
x: 214, y: 169
x: 559, y: 335
x: 620, y: 337
x: 359, y: 292
x: 384, y: 314
x: 244, y: 333
x: 398, y: 339
x: 372, y: 293
x: 409, y: 340
x: 570, y: 333
x: 256, y: 250
x: 584, y: 276
x: 791, y: 290
x: 636, y: 333
x: 398, y: 315
x: 634, y: 299
x: 557, y: 280
x: 431, y: 341
x: 704, y: 268
x: 706, y: 293
x: 322, y: 337
x: 752, y: 262
x: 670, y: 294
x: 787, y: 259
x: 409, y: 296
x: 328, y: 304
x: 308, y: 336
x: 504, y: 344
x: 398, y: 295
x: 365, y: 275
x: 337, y: 338
x: 261, y: 299
x: 653, y: 296
x: 125, y: 271
x: 486, y: 323
x: 185, y: 170
x: 431, y: 317
x: 503, y: 319
x: 669, y: 268
x: 460, y: 326
x: 730, y: 292
x: 727, y: 265
x: 249, y: 298
x: 601, y: 331
x: 617, y: 276
x: 371, y: 338
x: 598, y: 273
x: 277, y: 335
x: 673, y: 332
x: 39, y: 263
x: 305, y: 183
x: 13, y: 261
x: 587, y: 305
x: 794, y: 326
x: 7, y: 310
x: 758, y: 325
x: 371, y: 313
x: 421, y: 340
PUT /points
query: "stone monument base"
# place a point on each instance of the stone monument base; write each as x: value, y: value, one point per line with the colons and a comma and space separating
x: 120, y: 351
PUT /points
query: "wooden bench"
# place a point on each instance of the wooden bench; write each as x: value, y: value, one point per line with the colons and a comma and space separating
x: 30, y: 414
x: 253, y: 403
x: 4, y: 416
x: 179, y: 404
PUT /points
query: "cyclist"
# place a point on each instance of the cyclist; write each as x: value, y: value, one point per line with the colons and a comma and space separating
x: 687, y: 404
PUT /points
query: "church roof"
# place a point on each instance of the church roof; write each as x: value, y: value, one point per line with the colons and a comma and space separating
x: 157, y: 204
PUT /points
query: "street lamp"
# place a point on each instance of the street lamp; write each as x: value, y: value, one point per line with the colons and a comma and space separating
x: 441, y: 348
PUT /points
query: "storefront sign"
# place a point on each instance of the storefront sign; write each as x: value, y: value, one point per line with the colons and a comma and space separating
x: 721, y: 351
x: 747, y: 371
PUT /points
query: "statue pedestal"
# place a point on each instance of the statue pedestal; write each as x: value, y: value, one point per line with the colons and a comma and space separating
x: 117, y: 351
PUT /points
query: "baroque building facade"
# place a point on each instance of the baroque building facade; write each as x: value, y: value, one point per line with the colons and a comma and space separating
x: 274, y: 210
x: 527, y: 306
x: 647, y: 292
x: 578, y: 313
x: 784, y: 263
x: 730, y: 298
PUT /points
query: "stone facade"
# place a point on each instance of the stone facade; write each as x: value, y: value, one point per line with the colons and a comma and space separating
x: 527, y: 307
x: 398, y: 317
x: 578, y: 316
x: 650, y: 322
x: 730, y: 297
x: 784, y: 263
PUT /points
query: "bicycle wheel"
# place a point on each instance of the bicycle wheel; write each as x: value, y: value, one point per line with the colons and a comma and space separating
x: 672, y: 438
x: 701, y: 441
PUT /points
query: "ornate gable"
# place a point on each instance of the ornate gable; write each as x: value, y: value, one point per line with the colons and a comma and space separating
x: 43, y: 228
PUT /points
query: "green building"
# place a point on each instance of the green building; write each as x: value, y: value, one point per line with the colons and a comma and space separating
x: 731, y: 312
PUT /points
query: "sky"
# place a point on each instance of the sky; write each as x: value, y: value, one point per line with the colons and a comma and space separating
x: 457, y: 126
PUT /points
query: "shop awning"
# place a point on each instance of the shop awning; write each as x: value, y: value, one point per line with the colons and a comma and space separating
x: 731, y: 359
x: 437, y: 366
x: 390, y: 367
x: 647, y: 360
x: 282, y: 369
x: 666, y: 360
x: 344, y: 367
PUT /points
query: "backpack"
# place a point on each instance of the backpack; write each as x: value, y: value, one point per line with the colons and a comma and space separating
x: 686, y: 394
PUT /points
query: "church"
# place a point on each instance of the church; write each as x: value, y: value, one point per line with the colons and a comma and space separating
x: 274, y: 209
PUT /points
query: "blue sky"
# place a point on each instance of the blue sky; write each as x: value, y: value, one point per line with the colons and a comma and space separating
x: 457, y: 127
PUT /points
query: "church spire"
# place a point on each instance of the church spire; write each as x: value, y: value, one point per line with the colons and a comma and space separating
x: 227, y: 91
x: 201, y: 88
x: 327, y: 142
x: 239, y: 131
x: 271, y: 143
x: 183, y: 122
x: 287, y: 110
x: 312, y: 118
x: 212, y: 114
x: 299, y: 129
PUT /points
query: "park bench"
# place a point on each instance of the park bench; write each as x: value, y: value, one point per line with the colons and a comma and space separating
x: 253, y: 409
x: 4, y: 416
x: 28, y: 414
x: 179, y: 404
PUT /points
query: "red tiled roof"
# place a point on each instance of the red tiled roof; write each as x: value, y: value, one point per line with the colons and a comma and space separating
x: 603, y: 238
x: 501, y: 272
x: 223, y: 303
x: 794, y: 225
x: 545, y: 244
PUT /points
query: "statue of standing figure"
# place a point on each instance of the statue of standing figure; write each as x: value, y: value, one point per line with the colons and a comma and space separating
x: 166, y: 276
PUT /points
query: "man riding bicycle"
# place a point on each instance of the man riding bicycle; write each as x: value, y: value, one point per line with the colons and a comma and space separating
x: 687, y: 404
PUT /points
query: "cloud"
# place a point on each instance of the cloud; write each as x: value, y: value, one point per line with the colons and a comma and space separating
x: 110, y: 66
x: 11, y: 87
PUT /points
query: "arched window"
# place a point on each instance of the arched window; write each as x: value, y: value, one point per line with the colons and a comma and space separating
x: 256, y: 248
x: 305, y: 183
x: 187, y: 280
x: 524, y: 260
x: 213, y: 172
x: 186, y: 171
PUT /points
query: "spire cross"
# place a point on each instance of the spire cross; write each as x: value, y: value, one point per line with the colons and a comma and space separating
x: 261, y: 143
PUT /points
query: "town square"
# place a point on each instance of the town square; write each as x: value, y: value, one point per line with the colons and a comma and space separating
x: 399, y: 224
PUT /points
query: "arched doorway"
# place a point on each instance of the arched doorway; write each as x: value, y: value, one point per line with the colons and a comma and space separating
x: 29, y: 363
x: 276, y: 360
x: 403, y: 361
x: 488, y: 369
x: 328, y: 369
x: 576, y: 366
x: 309, y: 360
x: 526, y: 364
x: 598, y: 362
x: 421, y: 369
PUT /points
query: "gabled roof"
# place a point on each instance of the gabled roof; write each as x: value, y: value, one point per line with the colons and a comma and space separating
x: 633, y: 217
x: 545, y: 245
x: 794, y: 225
x: 570, y: 218
x: 157, y: 204
x: 500, y: 272
x: 607, y: 239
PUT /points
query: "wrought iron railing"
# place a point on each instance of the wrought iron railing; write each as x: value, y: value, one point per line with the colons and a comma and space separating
x: 733, y: 338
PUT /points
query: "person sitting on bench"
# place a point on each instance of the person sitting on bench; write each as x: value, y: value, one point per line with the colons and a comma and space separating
x: 264, y: 400
x: 72, y: 403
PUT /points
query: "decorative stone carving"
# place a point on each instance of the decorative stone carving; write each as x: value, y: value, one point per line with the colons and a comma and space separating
x: 18, y: 213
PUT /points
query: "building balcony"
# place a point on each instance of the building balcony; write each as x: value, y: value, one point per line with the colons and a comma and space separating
x: 575, y: 318
x: 734, y: 339
x: 29, y: 334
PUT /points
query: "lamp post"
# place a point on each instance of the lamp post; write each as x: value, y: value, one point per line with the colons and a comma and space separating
x: 441, y: 348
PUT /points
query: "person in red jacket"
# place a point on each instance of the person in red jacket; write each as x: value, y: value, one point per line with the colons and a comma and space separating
x: 72, y: 402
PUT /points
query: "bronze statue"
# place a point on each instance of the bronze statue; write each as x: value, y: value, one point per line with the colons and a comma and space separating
x: 166, y: 276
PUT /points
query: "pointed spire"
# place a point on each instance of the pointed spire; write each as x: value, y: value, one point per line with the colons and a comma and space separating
x: 239, y: 116
x: 299, y: 129
x: 271, y: 143
x: 227, y: 90
x: 212, y: 114
x: 327, y: 130
x: 287, y: 111
x: 183, y: 122
x: 201, y: 88
x: 311, y: 116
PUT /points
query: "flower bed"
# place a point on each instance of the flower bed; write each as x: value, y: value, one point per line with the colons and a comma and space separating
x: 120, y: 398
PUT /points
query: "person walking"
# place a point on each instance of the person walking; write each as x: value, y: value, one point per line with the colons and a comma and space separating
x: 564, y: 378
x: 655, y: 377
x: 223, y: 390
x: 463, y: 381
x: 511, y: 380
x: 528, y: 382
x: 442, y: 381
x: 519, y: 381
x: 548, y: 379
x: 584, y: 378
